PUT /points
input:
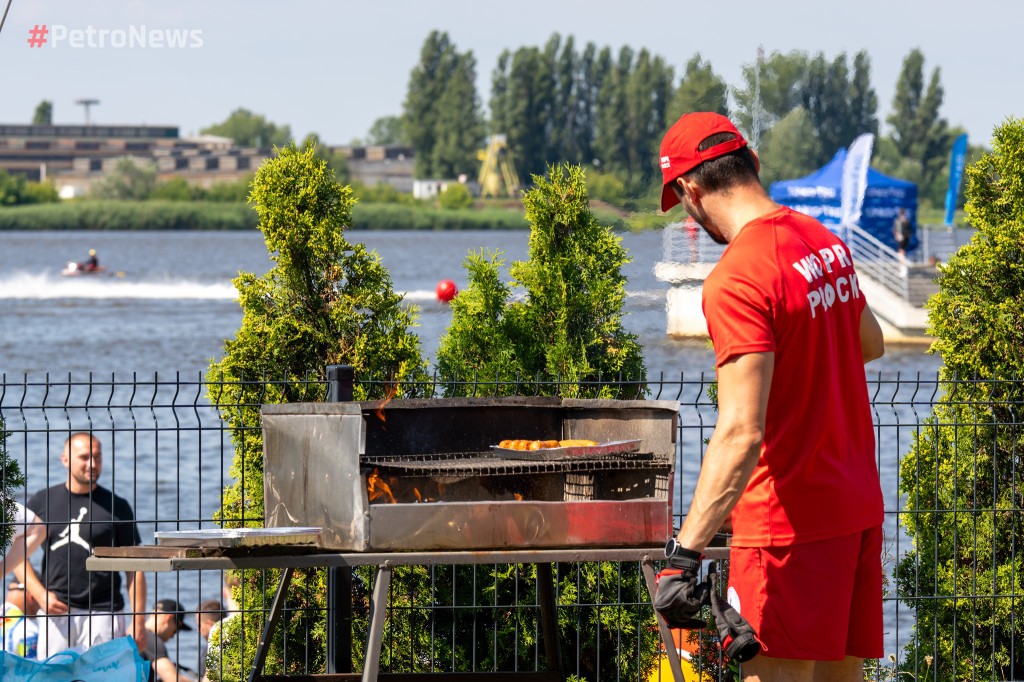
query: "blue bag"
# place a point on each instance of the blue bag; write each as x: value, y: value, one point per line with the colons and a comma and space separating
x: 115, y: 661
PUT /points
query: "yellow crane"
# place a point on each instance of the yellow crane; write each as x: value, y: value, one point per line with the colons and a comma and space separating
x: 497, y: 168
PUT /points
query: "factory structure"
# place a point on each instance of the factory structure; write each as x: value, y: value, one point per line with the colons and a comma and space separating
x: 73, y: 157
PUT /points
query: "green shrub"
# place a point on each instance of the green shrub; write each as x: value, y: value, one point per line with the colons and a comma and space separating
x: 130, y: 179
x: 368, y: 216
x: 607, y: 187
x: 455, y: 195
x: 10, y: 480
x: 964, y: 475
x: 326, y: 301
x: 175, y: 189
x: 568, y: 327
x: 236, y: 191
x: 15, y: 189
x: 382, y: 193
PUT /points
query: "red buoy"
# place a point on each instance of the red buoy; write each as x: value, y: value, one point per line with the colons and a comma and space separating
x: 446, y: 290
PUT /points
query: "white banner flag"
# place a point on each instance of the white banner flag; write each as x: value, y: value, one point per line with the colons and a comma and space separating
x: 855, y: 178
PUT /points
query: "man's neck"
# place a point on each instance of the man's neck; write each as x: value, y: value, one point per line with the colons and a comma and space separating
x: 78, y: 489
x: 734, y: 209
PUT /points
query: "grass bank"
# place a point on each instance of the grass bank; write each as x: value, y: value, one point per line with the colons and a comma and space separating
x: 209, y: 215
x: 129, y: 215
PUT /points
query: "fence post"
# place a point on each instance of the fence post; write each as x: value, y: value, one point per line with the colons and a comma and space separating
x: 340, y: 383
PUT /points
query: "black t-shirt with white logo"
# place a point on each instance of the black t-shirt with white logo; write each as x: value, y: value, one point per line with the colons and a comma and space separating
x: 75, y: 524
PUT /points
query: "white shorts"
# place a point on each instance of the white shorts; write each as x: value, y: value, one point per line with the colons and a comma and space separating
x: 78, y: 630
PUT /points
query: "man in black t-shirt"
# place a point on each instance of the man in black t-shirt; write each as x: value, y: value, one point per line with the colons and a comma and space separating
x: 84, y: 607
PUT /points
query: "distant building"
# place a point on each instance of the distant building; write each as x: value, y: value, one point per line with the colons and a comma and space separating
x: 75, y: 156
x: 429, y: 188
x: 376, y: 164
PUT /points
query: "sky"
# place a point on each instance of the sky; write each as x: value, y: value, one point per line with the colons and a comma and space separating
x: 335, y: 67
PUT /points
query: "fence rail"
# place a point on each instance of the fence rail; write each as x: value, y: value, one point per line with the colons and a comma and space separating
x: 951, y: 447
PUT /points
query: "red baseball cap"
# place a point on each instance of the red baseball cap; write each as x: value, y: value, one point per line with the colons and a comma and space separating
x: 679, y: 148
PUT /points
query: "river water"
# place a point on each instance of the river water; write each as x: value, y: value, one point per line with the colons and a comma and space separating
x: 166, y: 305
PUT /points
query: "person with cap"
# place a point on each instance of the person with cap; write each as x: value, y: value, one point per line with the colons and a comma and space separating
x: 19, y: 633
x: 92, y: 262
x: 167, y: 621
x: 792, y: 456
x: 210, y: 613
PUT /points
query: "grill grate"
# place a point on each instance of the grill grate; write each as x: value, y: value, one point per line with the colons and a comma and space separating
x: 465, y: 464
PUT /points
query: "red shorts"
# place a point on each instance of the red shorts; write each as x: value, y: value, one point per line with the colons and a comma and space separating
x: 819, y: 601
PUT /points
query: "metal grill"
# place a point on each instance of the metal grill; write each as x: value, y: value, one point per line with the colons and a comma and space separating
x: 485, y: 464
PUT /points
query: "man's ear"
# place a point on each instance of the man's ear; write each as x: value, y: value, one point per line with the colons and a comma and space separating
x: 690, y: 189
x: 757, y: 161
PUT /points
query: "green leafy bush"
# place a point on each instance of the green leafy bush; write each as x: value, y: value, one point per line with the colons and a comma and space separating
x: 15, y: 189
x: 964, y: 475
x: 569, y: 324
x: 607, y: 187
x: 455, y: 195
x: 326, y: 301
x: 389, y: 216
x: 568, y: 327
x: 129, y: 180
x: 10, y: 480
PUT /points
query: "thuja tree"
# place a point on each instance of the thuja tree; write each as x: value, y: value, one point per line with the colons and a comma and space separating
x: 964, y: 475
x: 567, y: 325
x: 325, y: 301
x: 562, y: 336
x: 10, y: 480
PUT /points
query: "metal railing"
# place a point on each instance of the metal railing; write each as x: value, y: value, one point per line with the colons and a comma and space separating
x: 167, y: 451
x: 877, y: 260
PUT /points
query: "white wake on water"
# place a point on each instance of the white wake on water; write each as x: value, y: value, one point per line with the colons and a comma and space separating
x: 32, y: 286
x: 41, y: 286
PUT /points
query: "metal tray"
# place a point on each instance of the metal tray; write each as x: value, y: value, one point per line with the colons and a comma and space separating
x: 239, y: 537
x: 609, y: 449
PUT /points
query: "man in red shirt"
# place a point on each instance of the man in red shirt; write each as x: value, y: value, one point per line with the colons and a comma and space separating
x: 792, y: 457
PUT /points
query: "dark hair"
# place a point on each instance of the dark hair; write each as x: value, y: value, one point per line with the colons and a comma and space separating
x: 211, y: 609
x: 727, y: 171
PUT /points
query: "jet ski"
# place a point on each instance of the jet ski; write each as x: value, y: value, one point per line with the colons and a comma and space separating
x: 73, y: 269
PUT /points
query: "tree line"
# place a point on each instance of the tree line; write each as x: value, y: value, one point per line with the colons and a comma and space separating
x: 608, y: 111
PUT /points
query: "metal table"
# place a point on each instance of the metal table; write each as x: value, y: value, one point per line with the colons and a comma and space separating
x: 162, y: 558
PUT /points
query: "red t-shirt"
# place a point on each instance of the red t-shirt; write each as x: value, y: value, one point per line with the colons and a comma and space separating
x: 786, y: 284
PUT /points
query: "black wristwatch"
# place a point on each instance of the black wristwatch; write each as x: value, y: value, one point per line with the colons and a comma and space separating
x: 680, y: 557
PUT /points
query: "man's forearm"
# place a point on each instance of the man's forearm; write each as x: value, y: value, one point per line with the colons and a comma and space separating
x: 137, y: 592
x: 728, y: 464
x: 12, y: 561
x: 32, y: 584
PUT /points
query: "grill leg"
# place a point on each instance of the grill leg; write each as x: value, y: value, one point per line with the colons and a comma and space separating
x: 276, y: 609
x: 378, y: 609
x: 339, y: 619
x: 666, y: 634
x: 548, y: 618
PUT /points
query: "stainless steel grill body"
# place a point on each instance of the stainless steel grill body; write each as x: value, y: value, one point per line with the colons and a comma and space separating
x: 450, y: 492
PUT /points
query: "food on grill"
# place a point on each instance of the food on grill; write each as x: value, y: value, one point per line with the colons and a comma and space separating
x: 529, y: 444
x: 575, y: 443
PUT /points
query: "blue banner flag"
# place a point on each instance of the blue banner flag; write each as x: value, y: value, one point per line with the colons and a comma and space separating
x: 956, y: 171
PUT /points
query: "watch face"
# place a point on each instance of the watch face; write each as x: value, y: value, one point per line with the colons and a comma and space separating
x: 670, y: 547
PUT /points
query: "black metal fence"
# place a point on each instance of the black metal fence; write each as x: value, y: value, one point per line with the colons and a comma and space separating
x: 953, y: 602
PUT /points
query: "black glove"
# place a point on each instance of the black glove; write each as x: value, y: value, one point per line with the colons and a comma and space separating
x: 679, y: 596
x: 739, y: 641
